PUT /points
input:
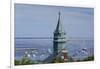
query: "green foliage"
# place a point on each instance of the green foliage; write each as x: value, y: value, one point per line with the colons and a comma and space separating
x: 17, y: 62
x: 90, y: 58
x: 58, y: 60
x: 26, y: 61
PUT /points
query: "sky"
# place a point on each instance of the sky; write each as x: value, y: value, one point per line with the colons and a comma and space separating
x: 41, y: 20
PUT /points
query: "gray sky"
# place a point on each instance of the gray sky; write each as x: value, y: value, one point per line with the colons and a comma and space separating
x: 41, y: 21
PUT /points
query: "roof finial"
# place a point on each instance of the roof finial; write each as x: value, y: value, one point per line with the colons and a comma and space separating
x: 59, y: 17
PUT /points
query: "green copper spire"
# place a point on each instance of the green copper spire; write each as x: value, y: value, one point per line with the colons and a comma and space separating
x: 59, y: 37
x: 59, y: 27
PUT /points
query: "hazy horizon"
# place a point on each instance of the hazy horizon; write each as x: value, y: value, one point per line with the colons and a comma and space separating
x: 41, y: 21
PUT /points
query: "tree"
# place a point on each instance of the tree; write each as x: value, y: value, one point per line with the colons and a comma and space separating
x: 89, y: 58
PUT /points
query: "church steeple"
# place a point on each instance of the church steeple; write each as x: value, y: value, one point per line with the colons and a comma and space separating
x: 59, y: 37
x: 59, y: 27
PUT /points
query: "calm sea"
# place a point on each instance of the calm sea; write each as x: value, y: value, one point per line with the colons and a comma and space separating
x: 77, y: 48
